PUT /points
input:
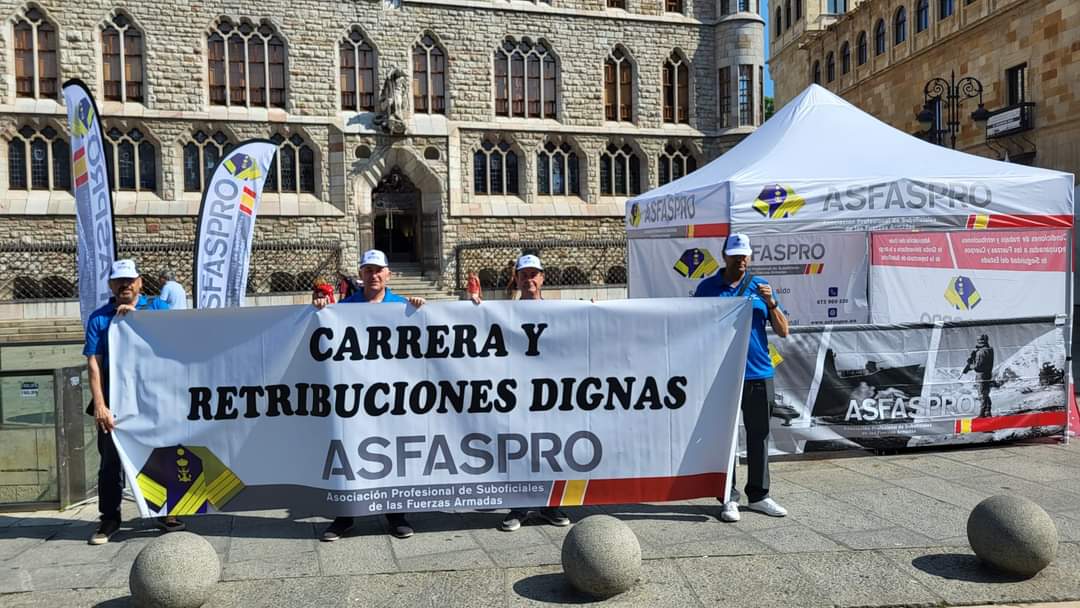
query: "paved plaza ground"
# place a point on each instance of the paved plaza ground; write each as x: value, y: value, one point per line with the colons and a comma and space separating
x: 863, y: 531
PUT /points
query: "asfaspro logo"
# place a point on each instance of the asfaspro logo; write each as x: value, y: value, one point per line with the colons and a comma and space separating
x: 635, y: 215
x: 84, y: 118
x: 777, y: 202
x: 961, y: 293
x: 696, y: 263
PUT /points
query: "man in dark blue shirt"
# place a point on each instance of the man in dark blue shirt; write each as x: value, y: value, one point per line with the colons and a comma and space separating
x: 126, y: 286
x: 735, y: 280
x: 375, y: 274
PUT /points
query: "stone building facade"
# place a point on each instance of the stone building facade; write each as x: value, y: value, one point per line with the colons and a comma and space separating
x: 522, y: 119
x: 880, y: 54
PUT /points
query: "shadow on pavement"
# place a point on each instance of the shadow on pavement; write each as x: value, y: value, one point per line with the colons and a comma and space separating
x: 119, y: 602
x: 552, y: 588
x: 962, y: 567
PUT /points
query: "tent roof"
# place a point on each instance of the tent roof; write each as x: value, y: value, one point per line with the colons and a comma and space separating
x: 820, y: 137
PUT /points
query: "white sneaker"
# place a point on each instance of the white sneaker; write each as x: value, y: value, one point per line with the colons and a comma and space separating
x: 730, y: 513
x: 769, y: 507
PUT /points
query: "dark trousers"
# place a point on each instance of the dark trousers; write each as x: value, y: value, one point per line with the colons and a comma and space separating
x: 110, y: 478
x: 757, y: 401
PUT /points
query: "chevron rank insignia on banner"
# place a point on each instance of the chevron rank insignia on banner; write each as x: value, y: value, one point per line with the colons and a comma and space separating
x: 777, y: 202
x: 696, y: 263
x: 242, y: 166
x: 961, y: 293
x: 84, y: 118
x: 185, y: 479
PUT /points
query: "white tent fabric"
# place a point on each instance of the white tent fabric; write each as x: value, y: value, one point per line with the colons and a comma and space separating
x: 823, y: 164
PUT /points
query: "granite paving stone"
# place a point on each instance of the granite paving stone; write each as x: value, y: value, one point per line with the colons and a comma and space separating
x: 72, y: 576
x: 742, y: 544
x: 877, y: 468
x: 356, y: 554
x: 912, y: 510
x: 834, y: 480
x: 752, y: 582
x: 794, y: 539
x: 828, y: 515
x: 939, y: 466
x: 945, y: 490
x: 469, y: 559
x: 1053, y: 497
x: 863, y: 578
x: 661, y: 585
x: 888, y: 538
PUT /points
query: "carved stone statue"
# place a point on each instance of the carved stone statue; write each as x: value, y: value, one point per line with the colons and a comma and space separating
x: 392, y: 103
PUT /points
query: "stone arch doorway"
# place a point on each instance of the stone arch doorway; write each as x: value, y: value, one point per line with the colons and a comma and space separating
x: 400, y: 198
x: 396, y: 223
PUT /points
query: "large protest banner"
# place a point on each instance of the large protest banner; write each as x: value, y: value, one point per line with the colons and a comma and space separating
x: 93, y: 199
x: 820, y: 278
x: 889, y: 387
x: 356, y: 410
x: 226, y: 224
x: 923, y: 277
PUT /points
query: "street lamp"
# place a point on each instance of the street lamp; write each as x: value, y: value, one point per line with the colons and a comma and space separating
x: 940, y: 94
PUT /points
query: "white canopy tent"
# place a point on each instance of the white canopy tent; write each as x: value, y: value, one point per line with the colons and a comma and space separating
x: 823, y: 164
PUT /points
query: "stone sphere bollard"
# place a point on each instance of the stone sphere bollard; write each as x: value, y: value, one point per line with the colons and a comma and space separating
x: 176, y: 570
x: 601, y: 556
x: 1012, y: 534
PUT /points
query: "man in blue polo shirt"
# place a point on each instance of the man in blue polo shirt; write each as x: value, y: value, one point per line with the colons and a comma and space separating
x: 736, y: 281
x: 375, y: 274
x: 126, y: 286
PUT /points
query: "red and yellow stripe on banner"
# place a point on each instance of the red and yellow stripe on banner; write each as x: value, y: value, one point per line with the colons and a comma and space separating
x: 247, y: 200
x: 1020, y: 421
x: 981, y: 221
x: 577, y: 492
x: 80, y: 167
x: 814, y: 268
x: 704, y: 230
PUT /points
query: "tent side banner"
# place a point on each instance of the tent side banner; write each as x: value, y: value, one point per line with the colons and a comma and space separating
x: 662, y: 213
x: 870, y: 204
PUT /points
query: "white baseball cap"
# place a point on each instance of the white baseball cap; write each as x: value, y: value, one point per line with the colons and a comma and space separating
x: 529, y: 261
x: 738, y: 244
x: 124, y: 269
x: 373, y: 257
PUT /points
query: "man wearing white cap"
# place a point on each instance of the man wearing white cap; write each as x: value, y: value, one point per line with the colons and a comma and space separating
x: 126, y: 286
x: 736, y: 281
x: 529, y: 273
x: 375, y: 274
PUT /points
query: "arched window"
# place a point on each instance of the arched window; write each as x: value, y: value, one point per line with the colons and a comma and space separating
x: 830, y: 67
x: 900, y: 26
x: 620, y: 171
x: 618, y: 86
x: 358, y: 72
x: 246, y: 65
x: 922, y: 16
x: 778, y: 23
x: 122, y: 59
x: 787, y: 15
x: 676, y: 89
x: 879, y: 37
x: 131, y: 159
x: 201, y: 155
x: 429, y: 76
x: 557, y: 171
x: 675, y: 163
x: 36, y: 73
x: 860, y: 48
x: 526, y: 77
x: 845, y: 58
x: 816, y: 73
x: 495, y: 169
x: 39, y: 160
x: 293, y: 169
x: 945, y: 9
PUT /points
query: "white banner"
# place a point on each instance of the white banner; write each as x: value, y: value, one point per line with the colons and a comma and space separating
x: 356, y: 410
x: 820, y: 278
x: 230, y: 204
x: 93, y: 199
x: 928, y: 277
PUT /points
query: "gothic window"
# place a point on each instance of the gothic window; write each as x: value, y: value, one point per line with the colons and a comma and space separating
x: 900, y: 25
x: 131, y: 160
x: 830, y: 67
x: 787, y: 15
x: 557, y: 171
x: 816, y: 74
x: 922, y: 16
x: 675, y: 163
x: 620, y: 171
x: 798, y: 9
x: 293, y: 169
x: 673, y: 6
x: 945, y: 9
x: 201, y: 155
x: 616, y: 4
x: 495, y: 169
x: 724, y: 82
x: 618, y: 86
x: 122, y: 59
x: 860, y: 48
x: 526, y: 77
x: 845, y: 58
x: 246, y: 65
x: 429, y: 77
x: 676, y: 89
x: 744, y: 6
x: 778, y: 22
x: 746, y: 95
x: 36, y: 73
x: 358, y: 76
x: 879, y: 37
x: 38, y: 159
